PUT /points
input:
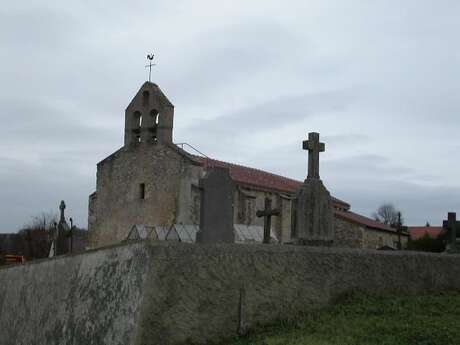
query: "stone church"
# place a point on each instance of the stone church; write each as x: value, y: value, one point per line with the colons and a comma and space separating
x: 154, y: 182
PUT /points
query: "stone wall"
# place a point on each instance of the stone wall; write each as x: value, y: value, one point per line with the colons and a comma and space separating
x: 347, y: 234
x: 352, y: 235
x: 374, y: 239
x: 91, y: 298
x: 118, y: 203
x: 163, y: 293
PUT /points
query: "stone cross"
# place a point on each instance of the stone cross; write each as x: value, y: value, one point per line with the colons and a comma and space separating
x: 62, y: 208
x: 314, y: 148
x: 267, y: 213
x: 452, y: 224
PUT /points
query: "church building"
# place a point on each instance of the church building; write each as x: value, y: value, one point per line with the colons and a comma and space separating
x: 153, y: 182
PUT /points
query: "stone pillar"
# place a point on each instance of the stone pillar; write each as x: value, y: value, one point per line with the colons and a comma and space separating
x: 216, y: 209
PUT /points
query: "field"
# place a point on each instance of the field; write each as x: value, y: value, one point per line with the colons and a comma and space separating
x: 364, y: 320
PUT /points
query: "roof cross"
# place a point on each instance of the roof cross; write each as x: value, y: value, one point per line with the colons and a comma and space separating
x: 150, y: 58
x: 314, y: 148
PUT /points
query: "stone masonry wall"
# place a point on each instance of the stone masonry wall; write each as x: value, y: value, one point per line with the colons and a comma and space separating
x: 91, y: 298
x: 118, y: 204
x: 347, y: 234
x: 374, y: 239
x: 163, y: 293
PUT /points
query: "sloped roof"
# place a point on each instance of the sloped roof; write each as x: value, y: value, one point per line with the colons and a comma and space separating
x: 365, y: 221
x: 258, y: 178
x: 417, y: 232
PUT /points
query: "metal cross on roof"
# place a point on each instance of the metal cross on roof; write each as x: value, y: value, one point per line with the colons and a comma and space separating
x: 314, y: 147
x: 150, y: 58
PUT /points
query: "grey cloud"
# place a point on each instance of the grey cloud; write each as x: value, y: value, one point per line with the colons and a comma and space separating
x: 382, y: 82
x: 36, y: 28
x: 276, y: 113
x: 33, y: 188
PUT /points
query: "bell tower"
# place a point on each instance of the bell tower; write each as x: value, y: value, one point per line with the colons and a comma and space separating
x: 149, y: 117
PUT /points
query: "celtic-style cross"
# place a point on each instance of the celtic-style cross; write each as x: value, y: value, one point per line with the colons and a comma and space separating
x: 150, y: 57
x: 314, y: 147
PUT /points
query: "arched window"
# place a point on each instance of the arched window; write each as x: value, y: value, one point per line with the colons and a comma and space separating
x: 145, y: 98
x: 155, y: 119
x: 137, y: 123
x: 155, y: 115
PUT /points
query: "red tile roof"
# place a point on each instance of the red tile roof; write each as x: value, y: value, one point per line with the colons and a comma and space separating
x: 417, y: 232
x: 365, y: 221
x: 260, y: 179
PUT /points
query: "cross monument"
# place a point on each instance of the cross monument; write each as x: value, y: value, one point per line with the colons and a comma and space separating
x: 314, y: 147
x: 267, y: 213
x: 314, y: 215
x: 453, y: 226
x: 62, y: 208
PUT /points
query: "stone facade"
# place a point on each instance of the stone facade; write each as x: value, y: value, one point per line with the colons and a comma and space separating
x: 352, y: 235
x: 150, y: 181
x: 347, y: 234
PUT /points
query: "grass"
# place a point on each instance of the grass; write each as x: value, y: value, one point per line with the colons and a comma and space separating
x: 365, y: 320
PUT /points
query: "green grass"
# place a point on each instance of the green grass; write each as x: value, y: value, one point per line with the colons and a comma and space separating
x: 364, y: 320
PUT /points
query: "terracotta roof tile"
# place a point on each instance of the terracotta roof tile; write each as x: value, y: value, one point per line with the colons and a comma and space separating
x: 365, y: 221
x: 417, y: 232
x: 258, y: 178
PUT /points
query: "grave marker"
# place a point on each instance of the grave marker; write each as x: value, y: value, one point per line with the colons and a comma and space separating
x: 216, y: 210
x: 267, y: 213
x: 314, y: 212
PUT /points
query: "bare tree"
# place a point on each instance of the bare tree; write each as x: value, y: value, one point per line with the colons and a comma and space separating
x: 43, y: 221
x: 35, y: 235
x: 389, y: 215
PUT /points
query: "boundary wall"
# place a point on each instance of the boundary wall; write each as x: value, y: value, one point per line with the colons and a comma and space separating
x: 175, y: 293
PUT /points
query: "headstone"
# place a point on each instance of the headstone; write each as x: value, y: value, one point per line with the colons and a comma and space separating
x: 267, y: 213
x: 60, y: 235
x: 216, y: 209
x: 314, y: 222
x: 452, y: 225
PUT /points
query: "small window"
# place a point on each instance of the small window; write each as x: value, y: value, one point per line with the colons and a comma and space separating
x: 142, y: 191
x: 145, y: 98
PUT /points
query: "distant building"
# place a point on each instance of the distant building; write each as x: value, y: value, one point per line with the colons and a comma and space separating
x: 417, y: 232
x: 150, y: 181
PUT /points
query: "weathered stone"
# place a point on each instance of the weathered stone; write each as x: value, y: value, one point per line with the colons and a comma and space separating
x: 452, y: 225
x: 176, y: 293
x: 314, y: 214
x: 60, y: 235
x: 314, y: 211
x: 216, y: 211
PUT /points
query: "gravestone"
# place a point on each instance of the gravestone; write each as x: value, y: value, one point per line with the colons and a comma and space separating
x: 216, y: 209
x: 314, y: 217
x: 60, y: 235
x: 452, y: 225
x: 267, y: 213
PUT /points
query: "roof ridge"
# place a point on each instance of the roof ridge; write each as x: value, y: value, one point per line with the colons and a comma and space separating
x: 251, y: 168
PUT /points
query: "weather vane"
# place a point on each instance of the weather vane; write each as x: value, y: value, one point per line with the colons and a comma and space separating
x: 150, y: 57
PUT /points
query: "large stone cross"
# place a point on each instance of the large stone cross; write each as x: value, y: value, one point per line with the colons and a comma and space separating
x: 314, y: 147
x: 452, y: 225
x: 62, y: 208
x: 267, y: 213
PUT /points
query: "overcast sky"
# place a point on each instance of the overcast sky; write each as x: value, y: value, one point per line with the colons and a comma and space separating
x: 378, y: 79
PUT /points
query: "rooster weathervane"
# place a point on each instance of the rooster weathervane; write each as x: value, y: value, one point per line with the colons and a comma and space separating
x: 150, y: 58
